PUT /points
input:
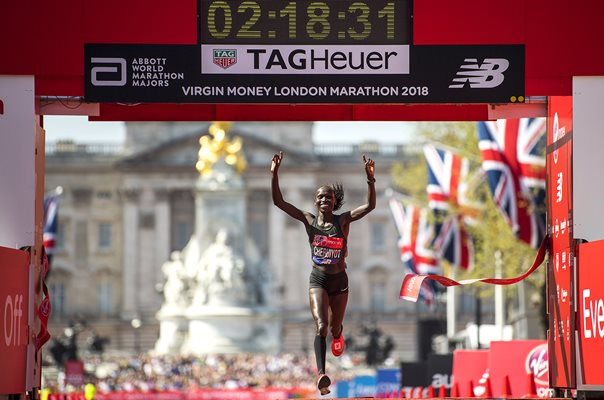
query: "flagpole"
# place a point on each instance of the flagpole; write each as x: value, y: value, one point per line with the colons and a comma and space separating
x: 451, y: 308
x: 499, y: 303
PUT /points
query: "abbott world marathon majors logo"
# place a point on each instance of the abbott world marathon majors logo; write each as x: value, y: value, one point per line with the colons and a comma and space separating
x: 305, y: 59
x: 537, y: 364
x: 142, y: 71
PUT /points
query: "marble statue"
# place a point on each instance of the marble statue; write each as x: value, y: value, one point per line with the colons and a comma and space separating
x: 175, y: 286
x: 221, y: 274
x: 216, y: 292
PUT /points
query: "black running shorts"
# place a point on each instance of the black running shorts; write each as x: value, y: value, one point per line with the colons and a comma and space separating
x: 334, y: 284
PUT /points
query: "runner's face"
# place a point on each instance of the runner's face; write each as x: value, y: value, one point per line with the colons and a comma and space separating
x: 325, y: 199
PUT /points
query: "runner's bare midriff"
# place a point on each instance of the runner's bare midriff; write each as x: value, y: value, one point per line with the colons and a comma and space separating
x: 331, y: 268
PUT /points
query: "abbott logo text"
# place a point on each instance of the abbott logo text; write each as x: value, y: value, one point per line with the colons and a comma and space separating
x: 487, y: 75
x: 115, y: 67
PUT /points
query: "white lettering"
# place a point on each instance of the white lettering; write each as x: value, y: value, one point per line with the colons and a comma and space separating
x: 559, y: 188
x: 364, y: 91
x: 149, y: 61
x: 439, y: 380
x: 8, y: 312
x: 326, y: 253
x: 157, y: 76
x: 148, y: 68
x: 202, y: 90
x: 13, y: 313
x: 600, y: 318
x: 593, y: 316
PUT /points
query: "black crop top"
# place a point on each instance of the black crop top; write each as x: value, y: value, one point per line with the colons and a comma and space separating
x: 327, y: 246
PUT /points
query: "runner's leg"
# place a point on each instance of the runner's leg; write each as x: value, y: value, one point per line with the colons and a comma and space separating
x: 337, y: 304
x: 319, y: 307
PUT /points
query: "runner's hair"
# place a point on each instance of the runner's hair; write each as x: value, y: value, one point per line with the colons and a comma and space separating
x: 339, y: 193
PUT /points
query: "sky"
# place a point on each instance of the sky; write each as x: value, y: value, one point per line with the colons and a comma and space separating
x: 79, y: 129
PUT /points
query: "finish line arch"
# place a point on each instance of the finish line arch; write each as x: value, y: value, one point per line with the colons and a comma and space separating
x: 45, y: 70
x: 47, y: 41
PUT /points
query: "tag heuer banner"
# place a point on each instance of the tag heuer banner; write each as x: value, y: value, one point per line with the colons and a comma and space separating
x: 210, y: 73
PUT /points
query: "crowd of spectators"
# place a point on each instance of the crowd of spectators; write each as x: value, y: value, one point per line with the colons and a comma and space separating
x: 184, y: 373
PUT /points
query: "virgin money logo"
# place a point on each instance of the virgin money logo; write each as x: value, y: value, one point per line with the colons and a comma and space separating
x: 559, y: 132
x: 45, y: 307
x: 536, y: 362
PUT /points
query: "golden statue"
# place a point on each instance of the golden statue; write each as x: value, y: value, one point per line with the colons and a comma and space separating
x: 217, y: 146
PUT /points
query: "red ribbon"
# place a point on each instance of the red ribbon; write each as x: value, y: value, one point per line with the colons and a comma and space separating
x: 45, y: 307
x: 412, y: 282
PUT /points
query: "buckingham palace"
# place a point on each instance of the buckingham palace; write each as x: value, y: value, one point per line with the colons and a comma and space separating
x: 126, y: 208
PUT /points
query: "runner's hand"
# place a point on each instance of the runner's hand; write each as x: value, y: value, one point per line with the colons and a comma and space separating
x: 369, y: 167
x: 277, y: 158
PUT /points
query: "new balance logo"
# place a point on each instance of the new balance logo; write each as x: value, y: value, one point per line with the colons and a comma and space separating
x: 487, y: 75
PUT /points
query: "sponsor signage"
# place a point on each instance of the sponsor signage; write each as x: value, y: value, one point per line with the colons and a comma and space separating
x: 14, y: 306
x: 388, y: 381
x: 517, y: 359
x: 300, y: 59
x: 304, y: 73
x: 439, y: 370
x: 74, y: 372
x: 590, y: 307
x: 363, y: 386
x: 561, y: 260
x: 468, y: 367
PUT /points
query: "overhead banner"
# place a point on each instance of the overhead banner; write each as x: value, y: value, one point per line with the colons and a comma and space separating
x: 304, y: 73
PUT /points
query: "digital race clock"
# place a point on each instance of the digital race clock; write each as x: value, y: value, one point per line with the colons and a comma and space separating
x: 304, y: 22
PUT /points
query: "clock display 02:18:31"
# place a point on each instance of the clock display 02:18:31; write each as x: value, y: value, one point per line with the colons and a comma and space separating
x: 304, y: 21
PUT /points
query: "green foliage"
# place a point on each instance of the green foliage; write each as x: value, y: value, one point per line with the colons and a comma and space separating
x: 491, y: 233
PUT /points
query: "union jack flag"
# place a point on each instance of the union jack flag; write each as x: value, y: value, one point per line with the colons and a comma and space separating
x: 513, y: 158
x: 454, y: 244
x: 51, y: 211
x: 416, y: 235
x: 447, y: 178
x: 447, y: 188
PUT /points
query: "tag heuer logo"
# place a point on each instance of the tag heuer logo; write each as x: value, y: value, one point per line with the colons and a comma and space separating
x: 225, y: 58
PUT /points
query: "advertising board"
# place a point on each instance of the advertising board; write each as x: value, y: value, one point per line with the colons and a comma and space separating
x: 590, y: 314
x: 14, y: 305
x: 561, y: 261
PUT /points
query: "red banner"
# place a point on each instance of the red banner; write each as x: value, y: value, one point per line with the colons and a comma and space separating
x: 560, y: 264
x: 590, y: 305
x: 412, y: 283
x: 209, y: 394
x: 517, y: 359
x: 74, y: 372
x: 14, y: 303
x: 468, y: 367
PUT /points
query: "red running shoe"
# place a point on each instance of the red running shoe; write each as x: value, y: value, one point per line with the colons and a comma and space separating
x: 337, y: 345
x: 323, y: 384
